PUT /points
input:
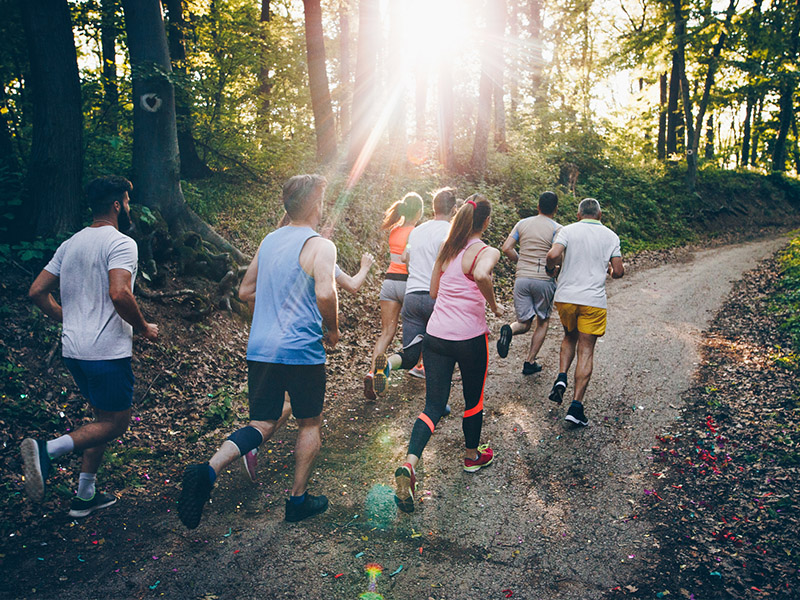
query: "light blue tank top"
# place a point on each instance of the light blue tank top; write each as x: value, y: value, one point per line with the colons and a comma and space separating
x: 287, y: 325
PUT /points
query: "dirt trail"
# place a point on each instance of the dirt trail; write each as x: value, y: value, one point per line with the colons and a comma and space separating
x: 552, y: 518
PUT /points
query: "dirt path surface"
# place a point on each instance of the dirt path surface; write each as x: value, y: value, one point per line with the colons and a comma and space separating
x: 553, y: 517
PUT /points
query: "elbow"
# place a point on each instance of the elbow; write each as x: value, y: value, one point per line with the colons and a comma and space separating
x: 617, y: 274
x: 118, y: 295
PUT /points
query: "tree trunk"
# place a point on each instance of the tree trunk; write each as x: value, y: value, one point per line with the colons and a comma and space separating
x: 192, y: 166
x: 108, y: 43
x: 513, y: 66
x: 497, y: 33
x: 396, y: 88
x: 480, y: 146
x: 264, y: 81
x: 536, y: 47
x: 673, y: 111
x: 363, y: 116
x: 661, y: 145
x: 446, y: 116
x: 756, y: 130
x: 156, y: 161
x: 345, y: 98
x: 748, y: 115
x: 420, y: 101
x: 708, y: 152
x: 318, y: 82
x: 56, y: 160
x: 787, y: 89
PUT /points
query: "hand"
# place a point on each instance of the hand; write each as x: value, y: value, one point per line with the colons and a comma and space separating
x: 150, y: 332
x: 367, y: 260
x: 331, y: 338
x: 498, y: 311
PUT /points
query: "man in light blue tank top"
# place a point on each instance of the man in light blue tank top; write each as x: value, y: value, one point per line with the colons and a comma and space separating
x: 290, y: 287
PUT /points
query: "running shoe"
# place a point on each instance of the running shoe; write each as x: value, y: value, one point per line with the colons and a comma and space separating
x: 575, y: 415
x: 531, y: 368
x: 485, y: 458
x: 418, y: 372
x: 78, y: 507
x: 250, y: 460
x: 505, y: 340
x: 382, y: 371
x: 195, y: 492
x: 405, y: 481
x: 559, y: 387
x: 369, y: 389
x: 312, y: 505
x: 447, y: 410
x: 36, y: 466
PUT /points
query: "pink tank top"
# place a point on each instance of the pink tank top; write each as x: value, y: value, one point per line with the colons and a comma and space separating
x: 460, y: 309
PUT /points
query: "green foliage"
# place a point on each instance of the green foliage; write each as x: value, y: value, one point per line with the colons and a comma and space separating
x: 220, y: 412
x: 787, y: 301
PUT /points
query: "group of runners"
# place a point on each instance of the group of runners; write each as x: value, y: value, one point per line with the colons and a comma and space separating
x: 440, y: 281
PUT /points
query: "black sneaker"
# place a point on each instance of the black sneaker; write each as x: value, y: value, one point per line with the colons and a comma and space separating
x: 195, y: 492
x: 312, y: 505
x: 575, y: 415
x: 505, y: 340
x: 531, y: 368
x: 557, y: 393
x: 36, y: 466
x: 79, y: 507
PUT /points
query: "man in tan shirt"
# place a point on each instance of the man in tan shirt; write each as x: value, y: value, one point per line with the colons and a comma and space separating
x: 533, y: 288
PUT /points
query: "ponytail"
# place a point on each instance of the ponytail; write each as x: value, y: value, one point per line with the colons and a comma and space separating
x: 469, y: 219
x: 402, y: 211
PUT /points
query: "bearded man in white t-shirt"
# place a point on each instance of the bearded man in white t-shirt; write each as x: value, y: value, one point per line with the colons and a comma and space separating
x: 95, y: 270
x: 586, y: 252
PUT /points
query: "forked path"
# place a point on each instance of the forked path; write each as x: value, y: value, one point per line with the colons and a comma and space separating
x: 552, y: 518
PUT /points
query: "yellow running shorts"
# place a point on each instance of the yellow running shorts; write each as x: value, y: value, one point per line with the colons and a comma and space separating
x: 587, y: 319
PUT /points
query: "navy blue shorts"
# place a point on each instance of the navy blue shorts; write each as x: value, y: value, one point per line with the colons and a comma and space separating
x: 106, y: 384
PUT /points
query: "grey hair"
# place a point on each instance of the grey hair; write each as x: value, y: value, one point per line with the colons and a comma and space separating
x: 589, y: 207
x: 299, y: 191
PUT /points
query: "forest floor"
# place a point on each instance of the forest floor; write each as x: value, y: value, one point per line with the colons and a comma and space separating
x: 561, y: 513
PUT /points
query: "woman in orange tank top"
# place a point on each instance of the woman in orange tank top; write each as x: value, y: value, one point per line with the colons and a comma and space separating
x: 399, y: 220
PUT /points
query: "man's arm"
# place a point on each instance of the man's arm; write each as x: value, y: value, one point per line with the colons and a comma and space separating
x: 509, y: 247
x: 119, y: 289
x: 482, y: 274
x: 353, y: 283
x: 247, y: 289
x: 617, y: 268
x: 325, y: 286
x: 554, y: 258
x: 41, y: 294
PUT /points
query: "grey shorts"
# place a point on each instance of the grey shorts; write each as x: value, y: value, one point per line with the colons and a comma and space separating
x: 533, y: 297
x: 393, y: 290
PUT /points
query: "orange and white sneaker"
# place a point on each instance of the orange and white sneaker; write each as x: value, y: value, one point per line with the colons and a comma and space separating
x: 485, y: 458
x: 405, y: 486
x: 369, y: 389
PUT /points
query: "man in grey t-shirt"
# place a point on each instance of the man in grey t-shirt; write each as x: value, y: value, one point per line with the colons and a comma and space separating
x: 533, y: 288
x: 95, y: 270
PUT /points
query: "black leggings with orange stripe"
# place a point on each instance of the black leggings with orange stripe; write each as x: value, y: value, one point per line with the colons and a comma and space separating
x: 441, y: 357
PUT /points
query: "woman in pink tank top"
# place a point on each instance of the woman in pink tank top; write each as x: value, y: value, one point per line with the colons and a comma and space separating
x: 457, y: 333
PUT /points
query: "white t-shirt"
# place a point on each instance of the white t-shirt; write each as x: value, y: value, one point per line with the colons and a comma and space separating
x: 423, y: 248
x: 92, y: 329
x: 588, y: 247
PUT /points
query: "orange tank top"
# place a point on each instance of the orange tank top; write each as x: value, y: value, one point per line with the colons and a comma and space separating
x: 398, y: 238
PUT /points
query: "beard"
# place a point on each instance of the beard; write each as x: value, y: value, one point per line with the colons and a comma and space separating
x: 124, y: 222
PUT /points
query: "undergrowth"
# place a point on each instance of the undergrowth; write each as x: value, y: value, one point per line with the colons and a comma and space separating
x: 787, y: 301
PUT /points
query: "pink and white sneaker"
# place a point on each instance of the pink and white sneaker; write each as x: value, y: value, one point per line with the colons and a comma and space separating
x: 250, y: 461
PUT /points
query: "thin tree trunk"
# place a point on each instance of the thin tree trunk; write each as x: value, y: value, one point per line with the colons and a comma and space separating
x: 708, y: 152
x: 264, y: 81
x: 396, y: 88
x: 787, y: 89
x: 108, y: 43
x: 536, y: 47
x: 673, y: 111
x: 748, y: 115
x: 192, y: 166
x: 498, y: 8
x: 446, y: 117
x: 345, y: 70
x: 420, y: 101
x: 318, y: 82
x: 480, y: 146
x: 364, y: 105
x: 56, y: 160
x: 756, y: 130
x: 661, y: 145
x: 513, y: 63
x: 156, y: 161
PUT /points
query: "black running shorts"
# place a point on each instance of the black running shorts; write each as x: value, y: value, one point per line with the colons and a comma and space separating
x: 269, y: 382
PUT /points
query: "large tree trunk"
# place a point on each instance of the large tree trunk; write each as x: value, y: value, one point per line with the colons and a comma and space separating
x: 192, y: 166
x: 264, y: 80
x: 156, y: 160
x: 108, y: 44
x: 56, y: 160
x: 446, y: 116
x: 536, y: 47
x: 364, y: 103
x: 497, y: 33
x: 318, y: 82
x: 344, y: 68
x: 787, y: 89
x: 661, y: 145
x: 673, y: 112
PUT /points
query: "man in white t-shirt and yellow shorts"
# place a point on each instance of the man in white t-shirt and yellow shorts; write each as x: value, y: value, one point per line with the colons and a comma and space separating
x: 586, y: 252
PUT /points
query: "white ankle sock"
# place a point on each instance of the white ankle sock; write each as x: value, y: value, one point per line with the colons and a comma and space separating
x: 60, y: 446
x: 86, y: 485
